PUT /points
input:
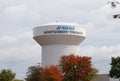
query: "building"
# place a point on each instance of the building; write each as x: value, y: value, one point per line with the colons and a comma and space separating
x: 61, y: 39
x: 58, y: 39
x: 104, y: 77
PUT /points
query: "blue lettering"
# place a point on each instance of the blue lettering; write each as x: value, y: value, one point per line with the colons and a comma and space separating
x: 58, y: 28
x: 65, y: 28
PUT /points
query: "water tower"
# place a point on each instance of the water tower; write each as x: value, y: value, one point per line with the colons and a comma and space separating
x: 58, y: 39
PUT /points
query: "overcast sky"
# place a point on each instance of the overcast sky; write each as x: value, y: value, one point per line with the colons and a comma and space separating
x: 18, y: 50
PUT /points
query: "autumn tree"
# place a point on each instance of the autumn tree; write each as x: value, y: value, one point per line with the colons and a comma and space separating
x: 51, y: 73
x: 115, y: 68
x: 7, y: 75
x: 77, y: 68
x: 34, y: 73
x: 70, y: 68
x: 48, y: 73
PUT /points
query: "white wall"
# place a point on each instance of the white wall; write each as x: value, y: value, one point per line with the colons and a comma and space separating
x: 52, y: 53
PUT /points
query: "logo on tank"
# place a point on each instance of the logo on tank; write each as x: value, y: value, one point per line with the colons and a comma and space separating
x: 70, y: 28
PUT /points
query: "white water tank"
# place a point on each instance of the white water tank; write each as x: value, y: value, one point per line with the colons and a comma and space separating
x: 58, y: 39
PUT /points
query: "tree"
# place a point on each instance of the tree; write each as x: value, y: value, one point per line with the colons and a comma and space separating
x: 113, y: 5
x: 51, y: 73
x: 70, y: 68
x: 115, y: 67
x: 77, y: 68
x: 17, y: 80
x: 34, y: 73
x: 38, y: 73
x: 7, y: 75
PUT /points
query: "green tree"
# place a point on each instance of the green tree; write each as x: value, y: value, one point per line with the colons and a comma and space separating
x: 115, y: 68
x: 7, y: 75
x: 77, y: 68
x: 34, y: 73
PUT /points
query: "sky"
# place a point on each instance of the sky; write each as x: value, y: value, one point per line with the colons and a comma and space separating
x: 18, y: 50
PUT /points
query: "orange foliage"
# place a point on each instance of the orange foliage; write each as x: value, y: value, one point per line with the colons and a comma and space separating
x: 75, y: 68
x: 51, y: 73
x: 71, y: 68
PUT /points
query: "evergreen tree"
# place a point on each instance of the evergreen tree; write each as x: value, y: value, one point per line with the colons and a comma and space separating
x: 115, y: 68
